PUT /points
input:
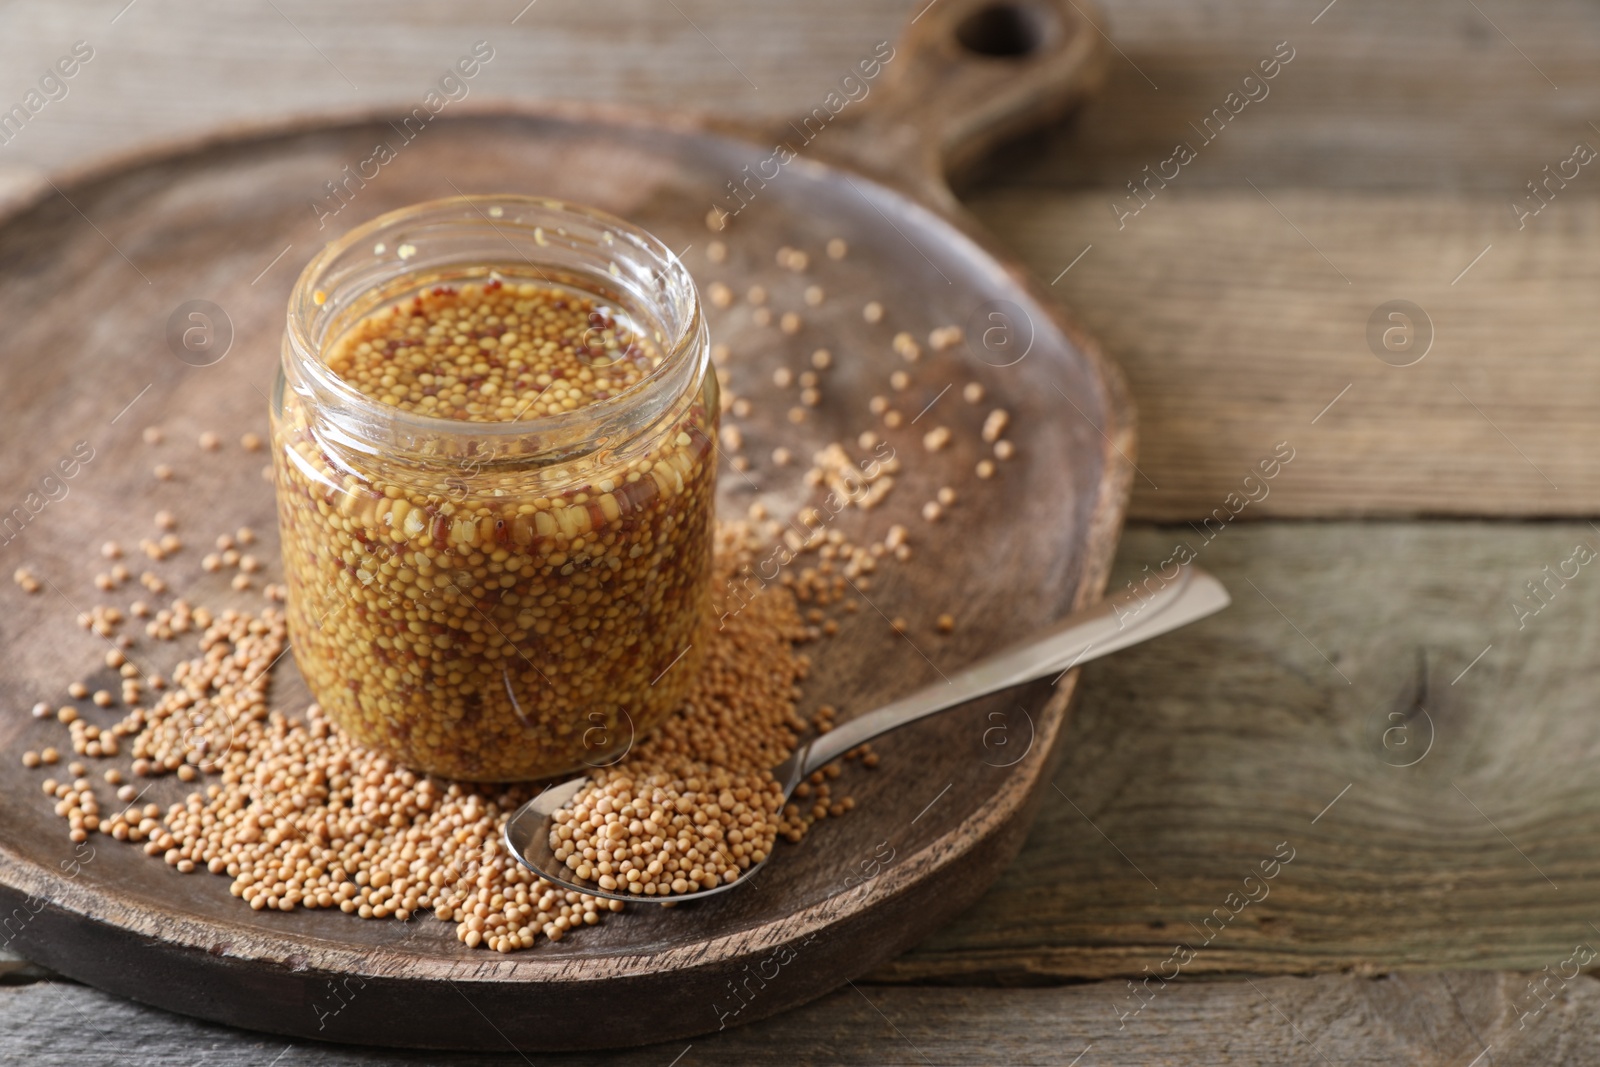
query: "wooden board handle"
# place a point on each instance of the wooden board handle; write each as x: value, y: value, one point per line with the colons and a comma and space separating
x: 965, y: 76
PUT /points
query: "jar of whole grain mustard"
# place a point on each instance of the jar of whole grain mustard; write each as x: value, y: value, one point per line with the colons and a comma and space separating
x: 493, y: 449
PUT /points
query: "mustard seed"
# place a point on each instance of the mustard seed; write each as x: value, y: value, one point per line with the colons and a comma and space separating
x: 42, y: 710
x: 721, y: 296
x: 789, y: 323
x: 49, y: 756
x: 210, y: 441
x: 717, y: 252
x: 245, y: 535
x: 872, y: 312
x: 153, y: 435
x: 761, y: 316
x: 111, y: 550
x: 837, y: 249
x: 756, y: 295
x: 166, y: 521
x: 163, y: 472
x: 944, y: 337
x: 251, y: 442
x: 77, y: 690
x: 907, y: 347
x: 30, y: 759
x: 1004, y: 450
x: 972, y: 392
x: 946, y: 496
x: 994, y: 427
x: 814, y: 296
x: 936, y: 438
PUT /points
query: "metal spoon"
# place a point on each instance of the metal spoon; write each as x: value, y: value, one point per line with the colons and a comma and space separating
x: 1115, y: 623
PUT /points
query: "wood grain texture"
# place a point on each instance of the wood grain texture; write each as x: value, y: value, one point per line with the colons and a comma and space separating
x: 1240, y: 320
x: 210, y: 218
x: 1435, y: 1020
x: 1192, y: 757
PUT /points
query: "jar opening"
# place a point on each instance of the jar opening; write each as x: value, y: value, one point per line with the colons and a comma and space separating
x: 463, y: 240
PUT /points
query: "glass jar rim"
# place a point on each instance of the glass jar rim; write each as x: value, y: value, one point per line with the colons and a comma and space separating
x: 678, y: 347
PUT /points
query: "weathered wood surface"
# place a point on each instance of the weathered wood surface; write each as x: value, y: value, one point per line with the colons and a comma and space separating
x: 1449, y: 1019
x: 1190, y: 758
x: 1395, y: 140
x: 1236, y: 334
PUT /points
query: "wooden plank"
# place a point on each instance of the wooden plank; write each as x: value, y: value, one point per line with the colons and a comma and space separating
x: 1190, y: 759
x: 162, y: 70
x: 1240, y: 319
x: 1426, y: 95
x: 1448, y: 1020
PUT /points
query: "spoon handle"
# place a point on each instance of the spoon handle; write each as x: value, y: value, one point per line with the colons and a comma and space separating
x: 1110, y: 625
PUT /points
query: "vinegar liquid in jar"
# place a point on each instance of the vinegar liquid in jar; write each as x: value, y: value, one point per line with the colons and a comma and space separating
x: 492, y: 446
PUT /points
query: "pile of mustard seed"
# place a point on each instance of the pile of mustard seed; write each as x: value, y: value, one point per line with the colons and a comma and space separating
x: 696, y: 805
x: 493, y: 352
x: 299, y: 816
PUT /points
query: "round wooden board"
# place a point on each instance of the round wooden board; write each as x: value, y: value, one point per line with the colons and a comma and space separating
x: 90, y: 272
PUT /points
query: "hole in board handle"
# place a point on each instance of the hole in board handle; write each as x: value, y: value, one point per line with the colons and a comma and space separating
x: 1004, y: 30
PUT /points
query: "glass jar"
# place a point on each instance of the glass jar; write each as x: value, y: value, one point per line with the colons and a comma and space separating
x: 498, y: 600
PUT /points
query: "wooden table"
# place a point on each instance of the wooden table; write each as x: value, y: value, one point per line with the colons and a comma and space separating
x: 1383, y: 703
